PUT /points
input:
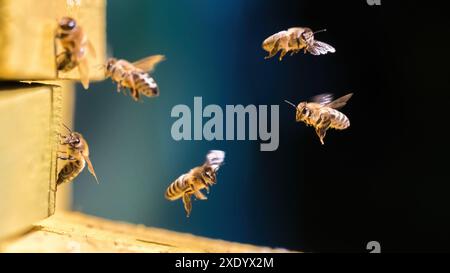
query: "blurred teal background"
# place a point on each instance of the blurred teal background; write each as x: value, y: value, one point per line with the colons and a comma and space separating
x: 379, y: 180
x: 207, y: 50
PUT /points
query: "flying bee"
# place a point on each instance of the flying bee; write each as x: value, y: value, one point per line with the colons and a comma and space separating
x: 295, y: 39
x: 134, y: 76
x: 322, y: 113
x: 76, y: 47
x: 195, y: 180
x: 76, y: 157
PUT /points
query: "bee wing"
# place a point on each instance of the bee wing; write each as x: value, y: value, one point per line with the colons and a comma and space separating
x: 320, y: 48
x: 293, y: 29
x: 324, y: 47
x: 215, y: 159
x: 149, y: 63
x: 340, y: 102
x: 323, y: 99
x: 90, y: 167
x: 91, y: 49
x: 83, y: 69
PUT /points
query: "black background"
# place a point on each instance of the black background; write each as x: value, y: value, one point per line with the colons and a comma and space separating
x: 386, y: 179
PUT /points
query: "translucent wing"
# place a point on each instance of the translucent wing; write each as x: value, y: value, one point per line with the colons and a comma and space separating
x: 323, y: 99
x: 91, y: 49
x: 90, y: 167
x: 320, y: 48
x: 340, y: 102
x: 83, y: 69
x: 324, y: 47
x: 149, y: 63
x: 215, y: 158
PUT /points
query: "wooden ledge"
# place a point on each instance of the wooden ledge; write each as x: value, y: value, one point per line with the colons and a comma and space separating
x: 76, y: 232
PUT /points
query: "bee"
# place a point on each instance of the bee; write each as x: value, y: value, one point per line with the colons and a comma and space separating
x: 76, y: 157
x: 76, y: 47
x: 295, y: 39
x: 195, y: 180
x: 134, y: 76
x: 322, y: 113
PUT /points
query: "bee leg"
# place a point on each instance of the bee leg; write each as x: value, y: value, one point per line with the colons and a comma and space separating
x: 62, y: 139
x: 323, y: 124
x: 274, y: 50
x: 271, y: 54
x: 187, y: 204
x: 295, y: 51
x: 138, y: 97
x: 71, y: 158
x: 134, y: 92
x: 282, y: 54
x: 119, y: 87
x: 63, y: 60
x: 206, y: 186
x: 199, y: 195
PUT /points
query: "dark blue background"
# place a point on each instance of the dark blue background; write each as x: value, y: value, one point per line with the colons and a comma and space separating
x: 382, y: 179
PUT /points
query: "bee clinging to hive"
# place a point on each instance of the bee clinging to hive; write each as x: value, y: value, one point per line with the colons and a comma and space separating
x: 195, y: 180
x: 134, y: 76
x: 76, y: 47
x: 295, y: 39
x: 76, y: 156
x: 322, y: 113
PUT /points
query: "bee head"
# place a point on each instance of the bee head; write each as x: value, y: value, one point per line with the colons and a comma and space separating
x: 76, y: 141
x: 67, y: 24
x: 209, y: 176
x: 303, y: 112
x: 307, y: 36
x: 109, y: 66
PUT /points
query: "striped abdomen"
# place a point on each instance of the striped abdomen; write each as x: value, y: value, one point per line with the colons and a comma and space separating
x: 71, y: 170
x: 339, y: 121
x: 177, y: 188
x: 145, y: 84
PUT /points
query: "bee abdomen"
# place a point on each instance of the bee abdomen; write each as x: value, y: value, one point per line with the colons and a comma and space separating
x: 146, y: 85
x: 176, y: 189
x: 65, y: 61
x: 70, y: 171
x: 340, y: 121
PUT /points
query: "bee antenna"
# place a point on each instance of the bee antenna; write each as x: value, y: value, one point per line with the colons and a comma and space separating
x: 290, y: 103
x: 67, y: 128
x: 319, y: 31
x: 100, y: 66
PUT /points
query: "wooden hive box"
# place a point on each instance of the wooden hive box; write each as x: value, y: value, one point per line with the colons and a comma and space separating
x: 27, y: 44
x: 31, y: 113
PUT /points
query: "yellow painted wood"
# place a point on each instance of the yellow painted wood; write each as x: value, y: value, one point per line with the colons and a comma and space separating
x: 75, y: 232
x: 64, y: 193
x: 27, y: 44
x: 29, y: 115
